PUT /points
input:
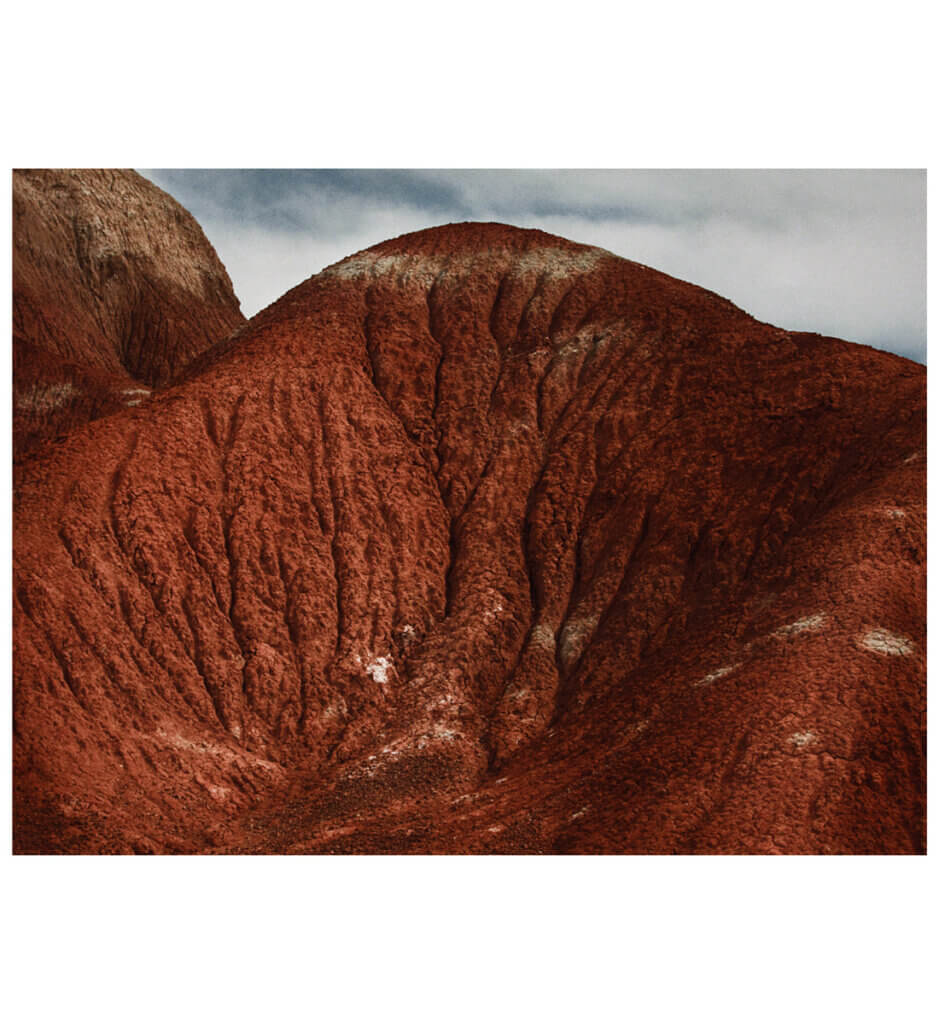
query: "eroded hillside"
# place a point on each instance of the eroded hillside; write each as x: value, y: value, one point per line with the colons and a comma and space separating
x: 115, y: 290
x: 481, y: 540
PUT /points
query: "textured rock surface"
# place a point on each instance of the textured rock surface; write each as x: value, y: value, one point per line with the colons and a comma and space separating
x: 115, y: 290
x: 482, y: 541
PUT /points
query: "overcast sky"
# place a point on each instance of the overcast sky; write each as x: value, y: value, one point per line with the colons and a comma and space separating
x: 838, y: 252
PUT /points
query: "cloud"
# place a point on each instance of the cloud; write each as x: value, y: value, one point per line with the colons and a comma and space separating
x: 838, y: 252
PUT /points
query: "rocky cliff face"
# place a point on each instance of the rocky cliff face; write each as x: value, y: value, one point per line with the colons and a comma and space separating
x: 115, y: 290
x: 481, y: 540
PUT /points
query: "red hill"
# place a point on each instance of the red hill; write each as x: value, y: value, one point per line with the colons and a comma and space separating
x: 115, y: 290
x: 480, y: 541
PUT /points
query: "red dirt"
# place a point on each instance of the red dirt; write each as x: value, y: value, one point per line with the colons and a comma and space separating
x: 482, y: 541
x: 115, y: 290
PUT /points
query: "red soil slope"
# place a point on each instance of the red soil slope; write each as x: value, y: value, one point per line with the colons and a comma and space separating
x: 482, y: 541
x: 115, y: 289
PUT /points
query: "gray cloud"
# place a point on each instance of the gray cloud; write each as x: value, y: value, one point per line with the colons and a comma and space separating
x: 838, y: 252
